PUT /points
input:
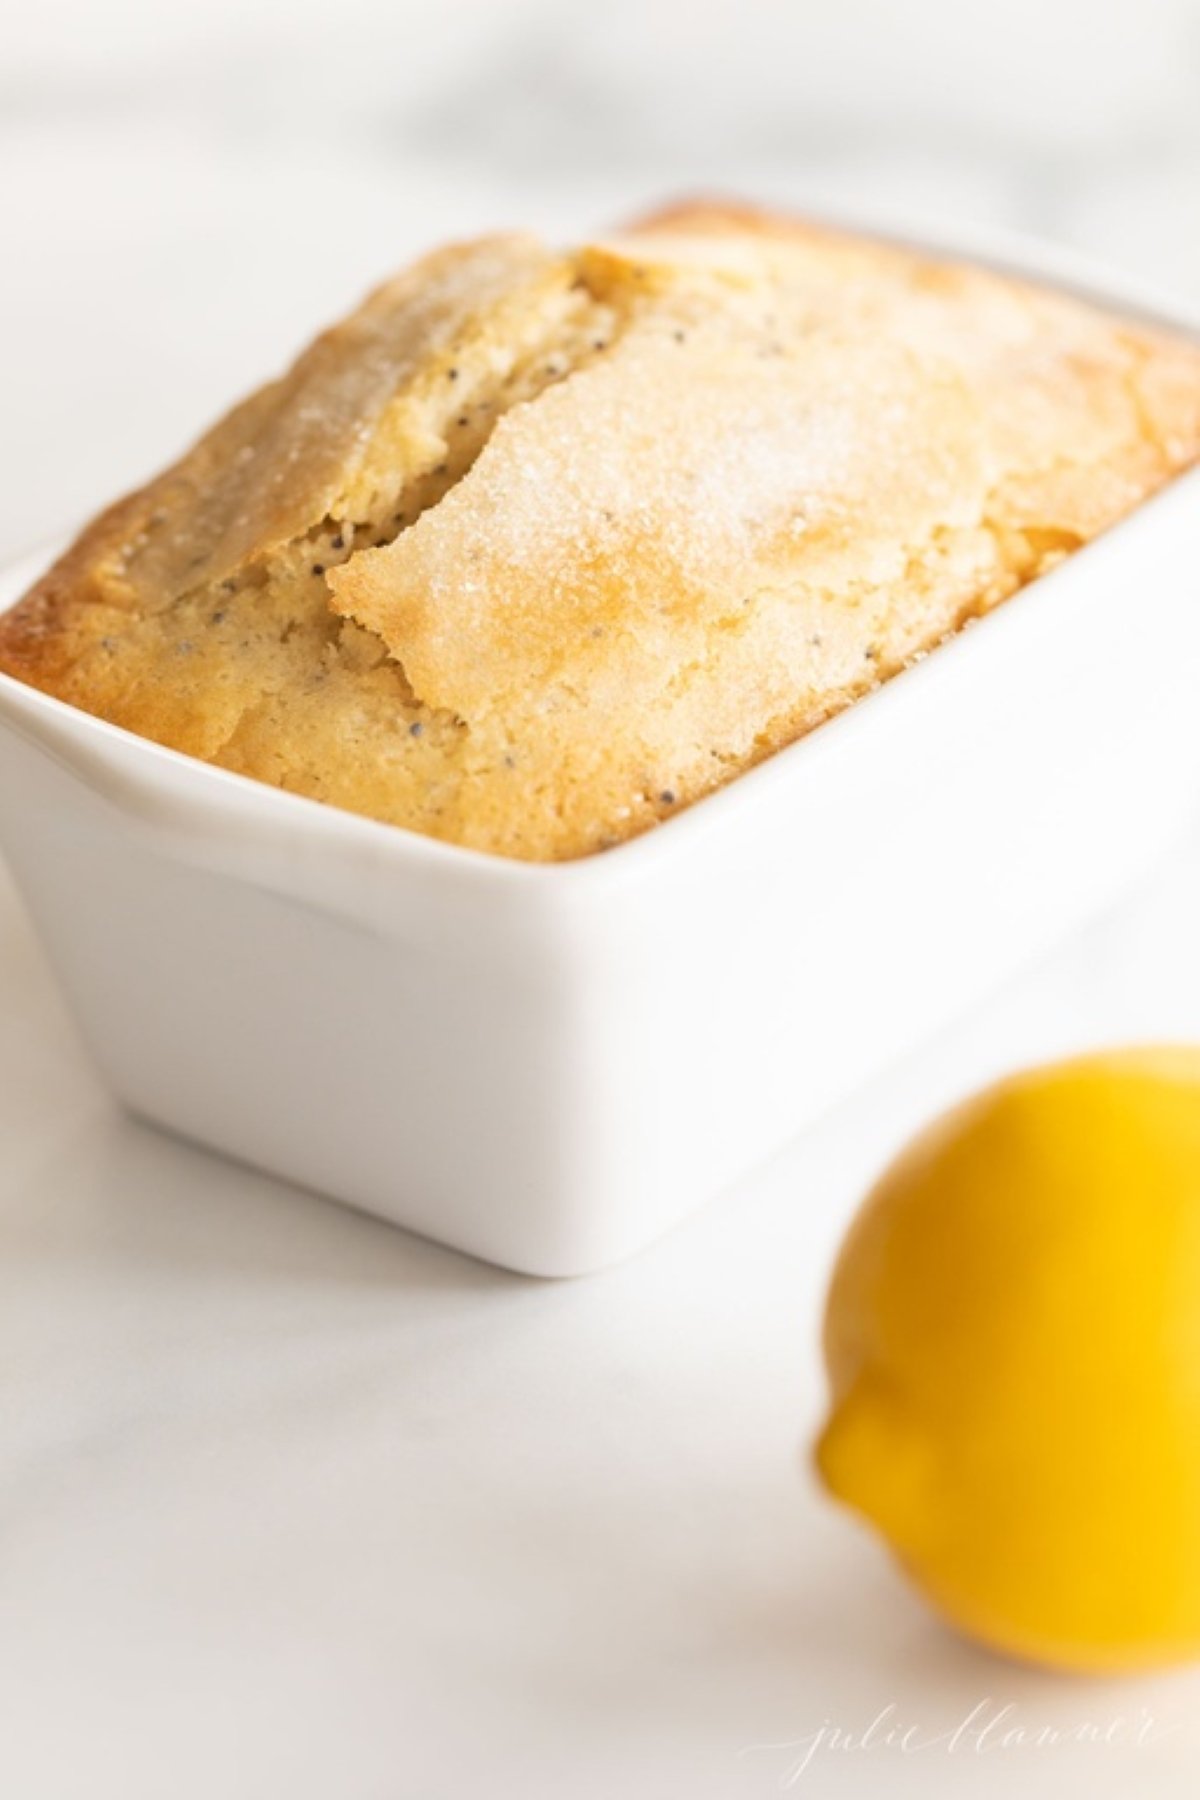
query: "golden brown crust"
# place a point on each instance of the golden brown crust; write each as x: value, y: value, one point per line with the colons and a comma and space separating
x: 534, y: 549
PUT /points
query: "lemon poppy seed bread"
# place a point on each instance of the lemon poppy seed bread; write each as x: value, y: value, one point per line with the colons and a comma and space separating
x: 536, y: 548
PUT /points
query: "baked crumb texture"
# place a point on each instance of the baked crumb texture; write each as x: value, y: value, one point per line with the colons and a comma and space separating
x: 533, y: 550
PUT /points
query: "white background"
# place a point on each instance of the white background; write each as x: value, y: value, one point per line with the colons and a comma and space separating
x: 291, y: 1505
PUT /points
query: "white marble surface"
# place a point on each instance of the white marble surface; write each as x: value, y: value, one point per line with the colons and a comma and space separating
x: 292, y: 1505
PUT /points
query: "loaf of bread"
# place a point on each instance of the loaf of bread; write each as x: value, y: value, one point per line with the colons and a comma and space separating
x: 537, y: 548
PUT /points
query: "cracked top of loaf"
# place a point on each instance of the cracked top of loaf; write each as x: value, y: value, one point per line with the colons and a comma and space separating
x: 536, y: 548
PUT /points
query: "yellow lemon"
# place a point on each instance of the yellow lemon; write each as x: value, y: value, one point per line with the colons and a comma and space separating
x: 1013, y: 1343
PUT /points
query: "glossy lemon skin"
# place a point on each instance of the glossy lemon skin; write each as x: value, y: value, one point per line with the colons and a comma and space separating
x: 1013, y: 1344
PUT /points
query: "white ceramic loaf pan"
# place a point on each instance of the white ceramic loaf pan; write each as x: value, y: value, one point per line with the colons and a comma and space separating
x: 547, y: 1066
